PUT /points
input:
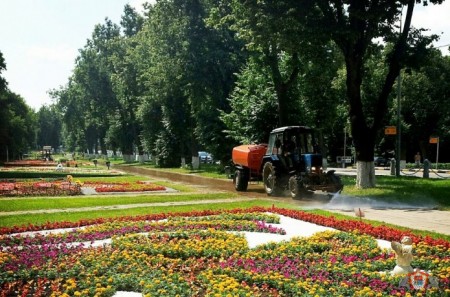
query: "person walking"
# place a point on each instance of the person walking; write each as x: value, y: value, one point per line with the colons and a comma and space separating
x: 417, y: 159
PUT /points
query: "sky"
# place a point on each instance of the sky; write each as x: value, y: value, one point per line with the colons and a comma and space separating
x: 40, y: 39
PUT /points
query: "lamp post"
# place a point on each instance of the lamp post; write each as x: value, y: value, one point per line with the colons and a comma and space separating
x: 345, y: 148
x: 399, y: 95
x: 398, y: 147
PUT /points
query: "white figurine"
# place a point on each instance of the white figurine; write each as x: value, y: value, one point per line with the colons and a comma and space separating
x: 404, y: 256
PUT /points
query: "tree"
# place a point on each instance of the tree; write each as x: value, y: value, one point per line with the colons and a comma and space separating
x: 353, y: 25
x: 93, y: 87
x: 253, y: 106
x: 125, y: 127
x: 187, y: 69
x: 17, y: 122
x: 3, y: 83
x: 49, y: 127
x: 165, y: 112
x: 276, y: 29
x: 71, y: 109
x: 425, y: 106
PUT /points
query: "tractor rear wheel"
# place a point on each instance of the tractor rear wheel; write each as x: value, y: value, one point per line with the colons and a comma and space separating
x: 240, y: 181
x: 270, y: 180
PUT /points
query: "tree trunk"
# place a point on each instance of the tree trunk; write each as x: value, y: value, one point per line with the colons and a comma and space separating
x: 141, y: 159
x: 365, y: 176
x: 128, y: 158
x: 281, y: 85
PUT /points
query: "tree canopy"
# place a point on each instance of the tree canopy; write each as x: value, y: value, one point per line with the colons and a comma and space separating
x: 17, y: 122
x: 192, y: 75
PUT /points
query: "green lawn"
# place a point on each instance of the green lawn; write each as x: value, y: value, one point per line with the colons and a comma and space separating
x: 46, y: 203
x: 411, y: 190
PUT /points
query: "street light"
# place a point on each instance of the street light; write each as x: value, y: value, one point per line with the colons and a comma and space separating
x: 397, y: 150
x: 399, y: 95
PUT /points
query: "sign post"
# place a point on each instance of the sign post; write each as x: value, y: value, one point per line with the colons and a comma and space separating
x: 435, y: 140
x: 392, y: 131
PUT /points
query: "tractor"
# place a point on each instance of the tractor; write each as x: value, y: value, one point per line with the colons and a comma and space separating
x: 289, y: 161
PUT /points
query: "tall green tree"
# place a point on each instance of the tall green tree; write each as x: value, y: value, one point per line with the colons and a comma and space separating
x: 426, y: 106
x: 3, y: 83
x: 354, y: 25
x: 70, y: 105
x: 188, y: 71
x: 17, y: 122
x: 93, y: 74
x: 276, y: 29
x: 165, y: 112
x: 49, y: 127
x: 17, y: 126
x: 125, y: 127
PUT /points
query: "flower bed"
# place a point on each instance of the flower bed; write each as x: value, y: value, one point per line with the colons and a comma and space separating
x: 28, y: 163
x: 140, y: 186
x: 61, y: 187
x: 190, y: 254
x: 65, y: 170
x: 39, y: 188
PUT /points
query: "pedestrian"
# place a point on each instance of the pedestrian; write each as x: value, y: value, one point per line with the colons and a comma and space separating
x: 417, y: 159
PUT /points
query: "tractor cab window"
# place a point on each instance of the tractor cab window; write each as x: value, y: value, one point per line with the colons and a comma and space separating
x: 275, y: 144
x: 290, y: 143
x: 310, y: 143
x: 306, y: 143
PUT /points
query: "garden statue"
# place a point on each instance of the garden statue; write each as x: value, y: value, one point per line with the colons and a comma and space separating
x: 403, y: 252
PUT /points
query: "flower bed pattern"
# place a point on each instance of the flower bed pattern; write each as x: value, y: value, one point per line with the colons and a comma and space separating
x: 190, y: 254
x: 62, y: 188
x: 65, y: 170
x: 140, y: 186
x: 40, y: 188
x: 28, y: 163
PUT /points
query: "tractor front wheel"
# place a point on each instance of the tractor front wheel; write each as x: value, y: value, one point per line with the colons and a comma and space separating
x: 270, y: 180
x: 294, y: 188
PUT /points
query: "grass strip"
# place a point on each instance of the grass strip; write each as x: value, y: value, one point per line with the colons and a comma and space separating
x: 404, y: 189
x: 23, y: 204
x: 37, y: 219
